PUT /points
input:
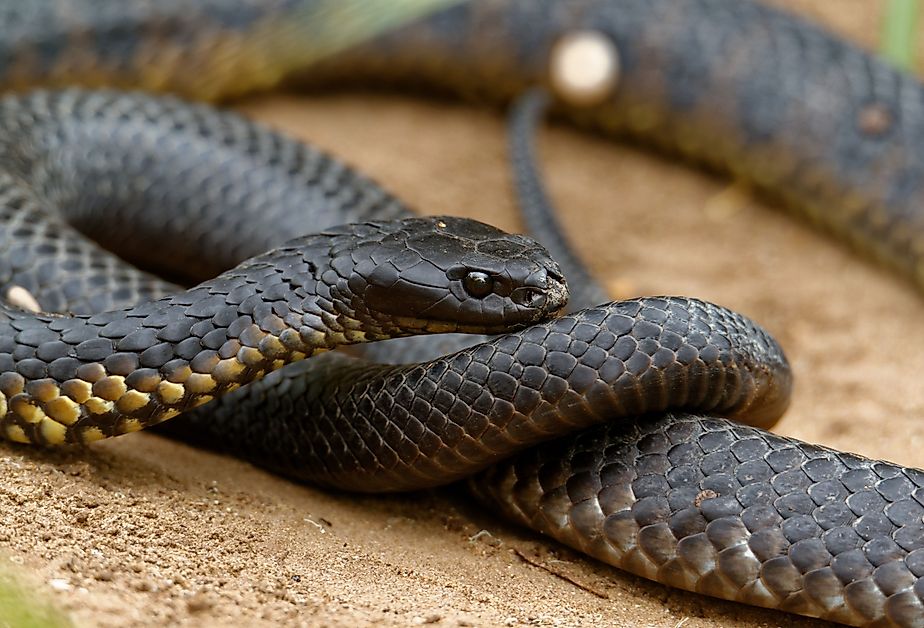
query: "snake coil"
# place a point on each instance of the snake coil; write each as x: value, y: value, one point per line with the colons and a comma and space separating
x: 698, y: 503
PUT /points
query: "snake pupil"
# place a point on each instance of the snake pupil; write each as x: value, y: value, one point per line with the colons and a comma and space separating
x: 478, y: 284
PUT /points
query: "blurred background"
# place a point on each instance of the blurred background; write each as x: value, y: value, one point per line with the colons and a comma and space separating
x: 173, y: 535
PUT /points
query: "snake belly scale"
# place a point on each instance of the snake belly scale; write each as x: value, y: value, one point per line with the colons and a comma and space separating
x: 698, y: 503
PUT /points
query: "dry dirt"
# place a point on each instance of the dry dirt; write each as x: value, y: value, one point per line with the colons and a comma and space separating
x: 145, y: 531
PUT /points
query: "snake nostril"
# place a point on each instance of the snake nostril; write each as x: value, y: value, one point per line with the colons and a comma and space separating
x: 529, y: 297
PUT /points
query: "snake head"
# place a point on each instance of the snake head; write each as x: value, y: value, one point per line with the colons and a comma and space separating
x: 446, y: 274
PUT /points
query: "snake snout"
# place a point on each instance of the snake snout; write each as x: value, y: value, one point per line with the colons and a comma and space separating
x: 558, y: 296
x: 452, y: 274
x: 545, y: 292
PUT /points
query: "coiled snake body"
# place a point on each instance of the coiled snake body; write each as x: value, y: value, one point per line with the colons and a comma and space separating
x: 699, y: 503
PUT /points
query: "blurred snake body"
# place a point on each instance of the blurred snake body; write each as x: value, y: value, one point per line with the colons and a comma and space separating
x: 696, y: 502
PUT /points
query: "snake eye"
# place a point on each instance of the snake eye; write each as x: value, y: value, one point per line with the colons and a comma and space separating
x: 478, y: 284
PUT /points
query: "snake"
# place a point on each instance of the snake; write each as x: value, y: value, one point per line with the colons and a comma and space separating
x: 678, y: 492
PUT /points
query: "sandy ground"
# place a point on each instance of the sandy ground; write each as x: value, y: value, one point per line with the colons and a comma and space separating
x: 144, y: 531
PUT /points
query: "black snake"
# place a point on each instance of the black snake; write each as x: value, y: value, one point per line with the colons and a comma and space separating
x: 699, y: 503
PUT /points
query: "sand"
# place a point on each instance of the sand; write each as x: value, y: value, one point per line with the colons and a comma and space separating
x: 145, y: 531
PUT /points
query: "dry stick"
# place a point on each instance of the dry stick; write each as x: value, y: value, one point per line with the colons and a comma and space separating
x: 558, y: 574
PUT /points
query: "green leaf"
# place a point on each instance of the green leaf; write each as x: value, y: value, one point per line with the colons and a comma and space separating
x: 899, y: 30
x: 23, y: 608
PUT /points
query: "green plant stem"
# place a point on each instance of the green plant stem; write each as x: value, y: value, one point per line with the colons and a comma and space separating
x: 899, y: 31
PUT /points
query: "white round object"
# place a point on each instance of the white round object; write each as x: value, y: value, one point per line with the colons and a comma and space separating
x: 22, y: 298
x: 584, y: 67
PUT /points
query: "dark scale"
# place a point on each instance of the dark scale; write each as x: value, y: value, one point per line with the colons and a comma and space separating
x: 674, y: 60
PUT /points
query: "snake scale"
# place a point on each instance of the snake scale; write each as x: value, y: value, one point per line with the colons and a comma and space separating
x: 696, y: 502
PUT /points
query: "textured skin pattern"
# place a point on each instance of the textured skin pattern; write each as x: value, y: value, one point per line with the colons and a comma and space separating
x: 81, y: 378
x: 209, y: 50
x: 814, y: 120
x: 832, y: 130
x: 148, y: 163
x: 758, y: 118
x: 711, y: 506
x: 397, y: 428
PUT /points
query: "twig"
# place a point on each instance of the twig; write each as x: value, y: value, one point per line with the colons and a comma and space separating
x: 558, y: 574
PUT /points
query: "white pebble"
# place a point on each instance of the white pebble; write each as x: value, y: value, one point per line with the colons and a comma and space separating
x: 584, y: 67
x: 59, y: 584
x: 20, y: 297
